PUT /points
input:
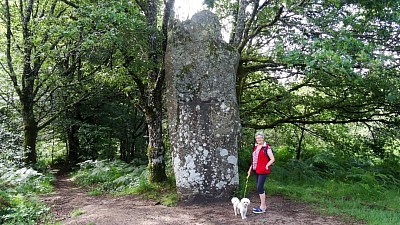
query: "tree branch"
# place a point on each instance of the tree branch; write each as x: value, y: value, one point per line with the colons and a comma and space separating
x: 71, y: 4
x: 256, y: 9
x: 261, y: 27
x: 58, y: 113
x: 11, y: 71
x: 168, y: 11
x: 294, y: 121
x: 141, y: 5
x: 264, y: 103
x: 240, y: 23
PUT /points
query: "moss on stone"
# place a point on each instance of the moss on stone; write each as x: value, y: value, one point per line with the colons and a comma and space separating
x: 156, y: 168
x: 187, y: 68
x: 230, y: 48
x: 212, y: 46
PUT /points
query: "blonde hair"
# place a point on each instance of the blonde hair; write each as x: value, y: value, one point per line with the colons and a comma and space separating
x: 259, y: 133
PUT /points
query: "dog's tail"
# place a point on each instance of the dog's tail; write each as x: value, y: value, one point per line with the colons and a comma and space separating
x: 235, y: 200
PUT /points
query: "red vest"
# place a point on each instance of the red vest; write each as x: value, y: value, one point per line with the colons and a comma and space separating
x: 261, y: 161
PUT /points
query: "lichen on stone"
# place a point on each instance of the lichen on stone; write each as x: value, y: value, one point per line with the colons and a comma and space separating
x: 203, y: 113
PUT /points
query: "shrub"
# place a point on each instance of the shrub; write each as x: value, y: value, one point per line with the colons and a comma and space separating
x: 19, y: 184
x: 18, y: 189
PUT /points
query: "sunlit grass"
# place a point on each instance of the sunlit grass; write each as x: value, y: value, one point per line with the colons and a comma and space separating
x: 164, y: 192
x: 76, y: 213
x: 364, y: 201
x: 95, y: 192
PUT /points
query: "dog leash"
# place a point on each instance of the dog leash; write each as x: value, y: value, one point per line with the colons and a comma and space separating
x: 245, y: 187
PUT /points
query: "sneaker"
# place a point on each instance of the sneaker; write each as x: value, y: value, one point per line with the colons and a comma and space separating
x: 259, y: 210
x: 256, y: 208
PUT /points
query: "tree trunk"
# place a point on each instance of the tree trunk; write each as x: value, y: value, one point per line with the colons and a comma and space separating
x: 29, y: 74
x: 73, y: 143
x: 30, y: 135
x: 240, y: 23
x: 298, y: 152
x: 74, y: 116
x: 123, y: 149
x: 153, y: 100
x: 132, y: 151
x: 155, y: 149
x: 151, y: 87
x: 127, y: 146
x: 28, y: 116
x: 203, y: 113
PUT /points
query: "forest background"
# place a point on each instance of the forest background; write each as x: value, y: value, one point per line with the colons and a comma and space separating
x: 82, y: 87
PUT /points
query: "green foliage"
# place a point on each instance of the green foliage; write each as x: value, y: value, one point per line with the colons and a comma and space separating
x: 328, y: 69
x: 76, y: 213
x: 342, y: 168
x: 11, y: 152
x: 19, y: 185
x: 344, y: 185
x: 120, y: 178
x: 24, y: 210
x: 18, y: 190
x: 108, y: 176
x: 25, y: 180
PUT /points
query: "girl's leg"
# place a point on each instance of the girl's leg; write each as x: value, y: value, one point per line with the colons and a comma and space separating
x: 260, y: 188
x: 263, y: 205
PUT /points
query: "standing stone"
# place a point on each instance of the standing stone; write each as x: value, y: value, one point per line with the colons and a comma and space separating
x: 204, y: 121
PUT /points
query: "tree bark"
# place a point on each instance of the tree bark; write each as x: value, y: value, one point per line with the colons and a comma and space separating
x: 28, y: 77
x: 73, y: 143
x: 152, y: 102
x: 30, y: 134
x: 123, y: 149
x: 155, y: 149
x: 298, y: 151
x: 28, y: 116
x: 240, y: 23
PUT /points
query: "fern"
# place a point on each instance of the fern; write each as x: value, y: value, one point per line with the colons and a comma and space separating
x: 109, y: 176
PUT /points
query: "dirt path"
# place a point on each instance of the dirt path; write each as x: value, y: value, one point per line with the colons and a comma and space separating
x: 111, y: 210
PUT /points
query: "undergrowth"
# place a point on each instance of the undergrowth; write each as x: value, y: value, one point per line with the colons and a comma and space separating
x: 120, y: 178
x: 360, y: 190
x: 19, y: 188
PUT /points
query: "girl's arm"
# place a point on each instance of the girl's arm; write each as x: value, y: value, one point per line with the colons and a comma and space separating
x: 249, y: 172
x: 271, y: 156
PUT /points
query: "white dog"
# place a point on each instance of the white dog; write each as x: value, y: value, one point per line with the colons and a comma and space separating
x: 240, y: 206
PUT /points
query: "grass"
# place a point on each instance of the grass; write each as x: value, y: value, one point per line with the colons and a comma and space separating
x: 370, y: 203
x: 95, y: 192
x: 76, y: 213
x: 53, y: 223
x: 336, y: 187
x: 164, y: 192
